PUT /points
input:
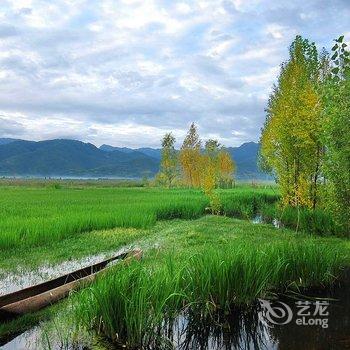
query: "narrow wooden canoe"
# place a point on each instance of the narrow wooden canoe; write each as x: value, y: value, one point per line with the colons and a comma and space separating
x: 37, y: 297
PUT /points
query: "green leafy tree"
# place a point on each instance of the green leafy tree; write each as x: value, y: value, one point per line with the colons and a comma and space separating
x: 336, y: 132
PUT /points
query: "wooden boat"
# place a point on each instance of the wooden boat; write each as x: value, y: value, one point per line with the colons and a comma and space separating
x: 44, y: 294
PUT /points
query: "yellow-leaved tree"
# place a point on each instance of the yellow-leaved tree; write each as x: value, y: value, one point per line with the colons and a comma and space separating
x: 190, y: 158
x: 290, y: 140
x: 218, y: 167
x: 210, y: 174
x: 227, y: 168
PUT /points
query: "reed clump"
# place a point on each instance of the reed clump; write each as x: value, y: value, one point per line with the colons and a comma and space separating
x: 314, y: 221
x: 130, y: 303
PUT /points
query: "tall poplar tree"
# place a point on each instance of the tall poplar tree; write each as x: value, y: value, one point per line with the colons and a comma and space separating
x: 190, y: 158
x: 220, y: 161
x: 227, y: 167
x: 169, y: 161
x: 210, y: 162
x: 336, y: 128
x: 210, y: 174
x: 290, y: 141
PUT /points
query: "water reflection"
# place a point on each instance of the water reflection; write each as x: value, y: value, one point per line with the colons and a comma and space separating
x: 245, y: 328
x: 25, y: 341
x: 241, y: 329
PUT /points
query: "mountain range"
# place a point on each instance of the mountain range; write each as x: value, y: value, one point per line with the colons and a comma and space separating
x: 72, y: 158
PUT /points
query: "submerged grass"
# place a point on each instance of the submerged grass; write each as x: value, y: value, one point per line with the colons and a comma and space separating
x: 208, y: 264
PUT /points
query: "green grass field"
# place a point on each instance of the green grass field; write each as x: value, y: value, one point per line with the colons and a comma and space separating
x: 31, y: 216
x: 201, y: 262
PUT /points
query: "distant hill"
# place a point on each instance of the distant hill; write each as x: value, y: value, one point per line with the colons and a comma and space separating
x: 5, y: 140
x: 151, y: 152
x: 246, y: 159
x: 109, y: 148
x: 62, y: 157
x: 71, y: 158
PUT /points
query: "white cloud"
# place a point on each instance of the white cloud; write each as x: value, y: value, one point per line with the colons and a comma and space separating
x: 276, y: 31
x: 125, y: 72
x: 183, y: 8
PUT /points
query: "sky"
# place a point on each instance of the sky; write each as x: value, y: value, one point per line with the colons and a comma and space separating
x: 124, y: 72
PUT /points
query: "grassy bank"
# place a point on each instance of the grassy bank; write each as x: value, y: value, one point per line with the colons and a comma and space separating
x: 34, y: 216
x: 207, y: 264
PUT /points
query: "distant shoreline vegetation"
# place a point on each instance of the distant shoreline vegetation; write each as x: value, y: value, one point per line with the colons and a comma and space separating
x: 67, y: 177
x: 42, y: 178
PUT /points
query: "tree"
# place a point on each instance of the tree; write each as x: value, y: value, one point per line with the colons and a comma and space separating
x: 226, y: 167
x: 336, y: 132
x: 210, y: 161
x: 211, y: 173
x: 169, y: 161
x: 212, y: 148
x: 290, y: 140
x: 218, y: 167
x: 201, y: 169
x: 190, y: 158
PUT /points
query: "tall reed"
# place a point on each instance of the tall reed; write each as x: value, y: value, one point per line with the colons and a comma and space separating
x: 129, y: 303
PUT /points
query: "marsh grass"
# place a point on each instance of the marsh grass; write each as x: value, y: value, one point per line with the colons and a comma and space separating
x: 318, y: 221
x: 244, y: 203
x: 34, y: 216
x: 129, y: 304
